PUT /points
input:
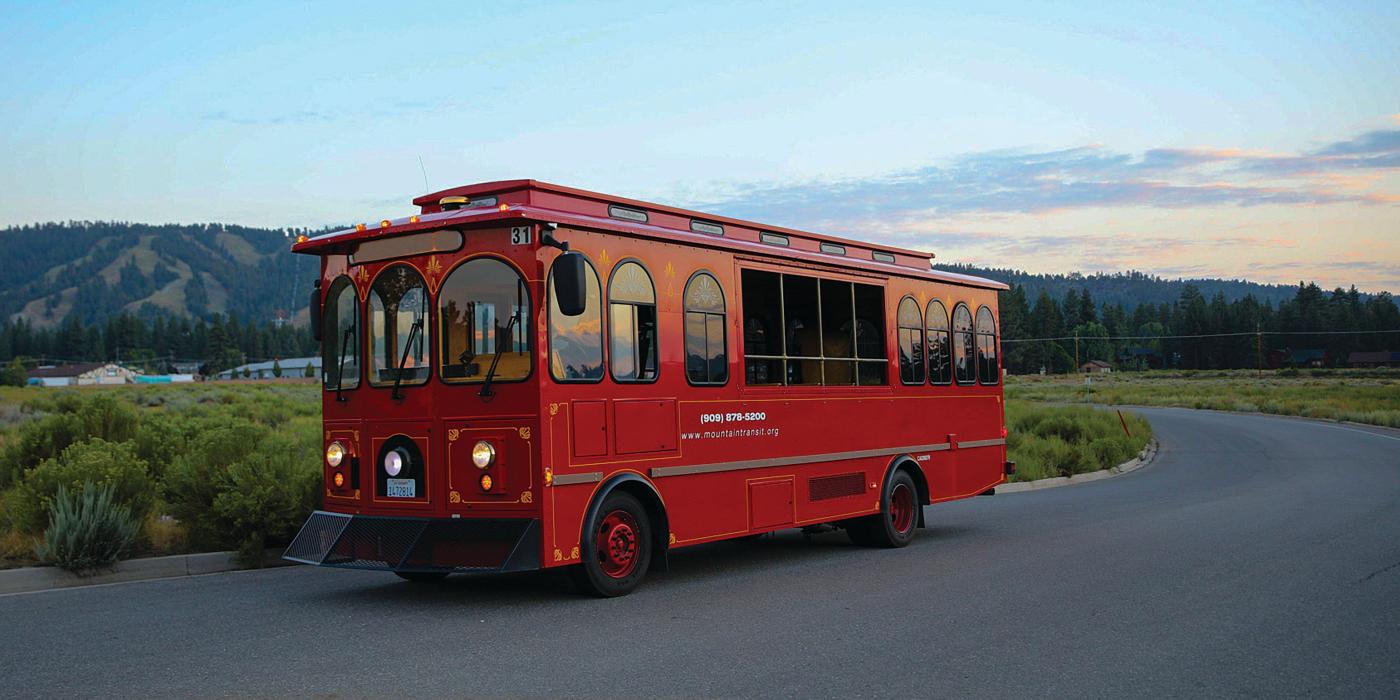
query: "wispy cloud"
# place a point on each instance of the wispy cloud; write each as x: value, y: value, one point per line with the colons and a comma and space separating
x: 1023, y: 181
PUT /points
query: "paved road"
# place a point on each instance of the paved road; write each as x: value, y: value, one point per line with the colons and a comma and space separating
x: 1257, y: 556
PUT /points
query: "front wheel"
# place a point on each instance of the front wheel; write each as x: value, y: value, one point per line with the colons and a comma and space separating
x: 616, y: 548
x: 894, y: 526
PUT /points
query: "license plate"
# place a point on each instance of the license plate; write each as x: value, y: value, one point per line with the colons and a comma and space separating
x: 402, y: 488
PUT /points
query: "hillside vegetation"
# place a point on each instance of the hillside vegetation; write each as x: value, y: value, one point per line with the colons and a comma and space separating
x: 92, y: 271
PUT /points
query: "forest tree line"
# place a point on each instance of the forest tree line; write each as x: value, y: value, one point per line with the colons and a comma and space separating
x: 156, y: 344
x: 1336, y: 323
x: 223, y: 341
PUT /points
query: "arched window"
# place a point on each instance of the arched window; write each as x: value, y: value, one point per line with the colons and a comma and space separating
x: 940, y: 344
x: 484, y: 318
x: 706, y: 361
x: 340, y: 336
x: 987, y: 370
x: 963, y: 351
x: 631, y: 323
x: 576, y: 342
x: 398, y: 327
x: 911, y: 342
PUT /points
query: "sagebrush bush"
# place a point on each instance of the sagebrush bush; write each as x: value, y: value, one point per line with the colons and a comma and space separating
x: 88, y: 531
x: 106, y: 464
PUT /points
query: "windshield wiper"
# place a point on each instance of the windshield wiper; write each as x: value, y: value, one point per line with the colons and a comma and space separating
x: 398, y: 372
x: 340, y: 367
x: 495, y: 360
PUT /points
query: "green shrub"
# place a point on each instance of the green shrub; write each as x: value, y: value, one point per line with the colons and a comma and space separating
x: 106, y: 464
x: 194, y: 479
x: 160, y: 440
x: 88, y: 531
x: 266, y: 496
x: 70, y: 418
x: 14, y: 374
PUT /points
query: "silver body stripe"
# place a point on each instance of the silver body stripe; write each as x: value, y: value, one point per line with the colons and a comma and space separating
x: 584, y: 478
x: 981, y: 443
x: 791, y: 461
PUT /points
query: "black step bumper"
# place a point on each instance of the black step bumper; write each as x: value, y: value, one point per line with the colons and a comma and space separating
x: 417, y: 544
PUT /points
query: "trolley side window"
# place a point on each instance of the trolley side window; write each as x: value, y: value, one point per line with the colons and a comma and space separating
x: 632, y: 324
x: 706, y: 361
x: 940, y: 344
x: 576, y: 342
x: 963, y: 351
x: 987, y: 372
x: 911, y: 342
x: 801, y: 330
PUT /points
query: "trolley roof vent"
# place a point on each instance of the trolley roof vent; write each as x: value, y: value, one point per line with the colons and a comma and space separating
x: 627, y: 213
x: 709, y: 227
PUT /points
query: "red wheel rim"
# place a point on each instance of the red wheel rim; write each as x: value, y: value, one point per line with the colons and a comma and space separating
x: 616, y: 544
x: 902, y: 508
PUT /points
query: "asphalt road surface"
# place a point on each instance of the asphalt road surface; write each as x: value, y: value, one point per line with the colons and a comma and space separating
x: 1256, y: 556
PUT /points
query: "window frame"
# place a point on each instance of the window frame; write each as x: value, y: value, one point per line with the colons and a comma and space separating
x: 921, y: 362
x: 656, y: 312
x: 947, y: 332
x: 429, y: 323
x: 527, y: 331
x: 358, y: 315
x: 602, y: 324
x: 978, y: 335
x: 724, y: 326
x: 971, y: 333
x: 784, y: 358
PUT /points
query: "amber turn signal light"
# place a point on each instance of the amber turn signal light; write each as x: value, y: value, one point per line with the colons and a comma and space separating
x: 485, y: 482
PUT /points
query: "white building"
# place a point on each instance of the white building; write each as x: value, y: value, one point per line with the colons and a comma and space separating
x: 82, y: 374
x: 291, y: 367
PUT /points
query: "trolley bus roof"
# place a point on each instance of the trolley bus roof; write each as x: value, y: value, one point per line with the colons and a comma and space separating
x: 532, y: 200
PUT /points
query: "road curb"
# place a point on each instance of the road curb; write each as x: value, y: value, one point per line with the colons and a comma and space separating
x: 39, y: 578
x: 1144, y: 458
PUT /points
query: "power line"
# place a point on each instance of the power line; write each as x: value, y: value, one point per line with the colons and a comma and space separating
x: 1239, y: 334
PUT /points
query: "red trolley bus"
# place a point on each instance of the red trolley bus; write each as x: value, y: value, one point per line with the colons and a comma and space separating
x: 524, y: 376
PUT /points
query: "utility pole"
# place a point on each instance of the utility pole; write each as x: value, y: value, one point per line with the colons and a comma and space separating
x: 1259, y: 347
x: 1076, y: 352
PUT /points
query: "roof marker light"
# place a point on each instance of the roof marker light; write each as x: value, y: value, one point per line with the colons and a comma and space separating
x: 384, y: 224
x: 504, y: 207
x: 359, y: 227
x: 301, y: 238
x: 413, y: 219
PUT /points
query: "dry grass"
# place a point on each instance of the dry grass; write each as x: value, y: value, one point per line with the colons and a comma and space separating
x: 1363, y: 396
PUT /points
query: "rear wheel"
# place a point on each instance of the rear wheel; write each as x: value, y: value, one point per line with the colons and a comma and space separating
x: 898, y: 518
x: 616, y: 548
x: 421, y: 576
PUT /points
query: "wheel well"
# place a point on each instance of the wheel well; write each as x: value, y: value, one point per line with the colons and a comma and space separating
x: 906, y: 463
x: 645, y: 493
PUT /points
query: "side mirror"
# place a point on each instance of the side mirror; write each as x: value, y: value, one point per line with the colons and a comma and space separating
x: 316, y: 311
x: 568, y: 275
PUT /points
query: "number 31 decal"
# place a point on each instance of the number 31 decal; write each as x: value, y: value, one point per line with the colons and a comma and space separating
x: 519, y: 235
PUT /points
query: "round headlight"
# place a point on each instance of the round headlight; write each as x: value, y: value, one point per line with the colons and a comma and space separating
x: 335, y: 454
x: 395, y: 461
x: 483, y: 454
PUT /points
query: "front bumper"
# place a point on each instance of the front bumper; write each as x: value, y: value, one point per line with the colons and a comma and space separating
x: 417, y: 544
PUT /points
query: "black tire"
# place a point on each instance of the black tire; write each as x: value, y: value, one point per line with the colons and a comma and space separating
x: 421, y: 576
x: 898, y: 519
x: 622, y: 527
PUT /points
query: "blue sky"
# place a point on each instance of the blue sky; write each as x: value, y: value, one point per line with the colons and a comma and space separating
x: 1257, y: 140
